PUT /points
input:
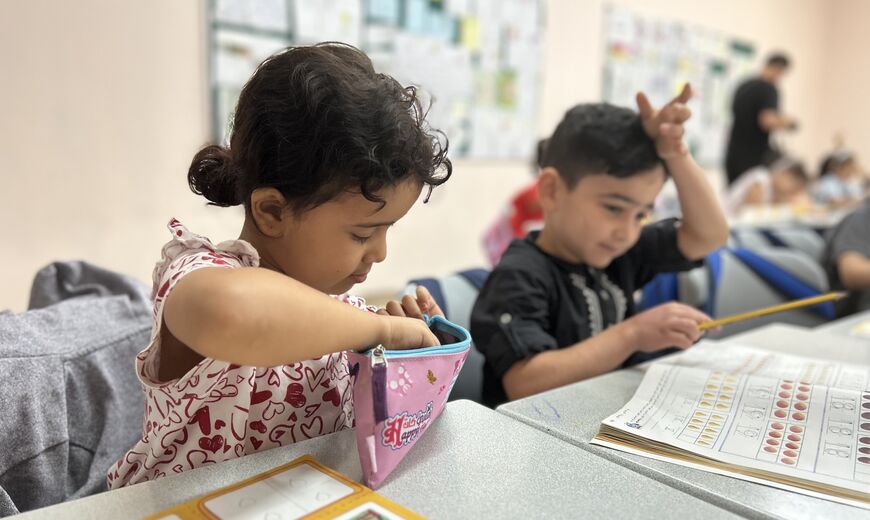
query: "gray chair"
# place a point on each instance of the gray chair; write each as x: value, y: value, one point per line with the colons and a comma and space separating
x: 742, y: 290
x: 794, y: 237
x: 68, y: 388
x: 802, y: 239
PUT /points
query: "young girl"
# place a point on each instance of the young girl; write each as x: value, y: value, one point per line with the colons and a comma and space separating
x: 246, y: 348
x: 840, y: 183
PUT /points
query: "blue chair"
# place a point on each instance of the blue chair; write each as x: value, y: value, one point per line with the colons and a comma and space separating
x: 456, y: 294
x: 754, y: 279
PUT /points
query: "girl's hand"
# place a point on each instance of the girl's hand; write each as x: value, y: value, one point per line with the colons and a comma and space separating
x: 413, y: 308
x: 402, y: 333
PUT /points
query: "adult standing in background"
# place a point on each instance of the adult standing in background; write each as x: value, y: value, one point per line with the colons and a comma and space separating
x: 756, y: 114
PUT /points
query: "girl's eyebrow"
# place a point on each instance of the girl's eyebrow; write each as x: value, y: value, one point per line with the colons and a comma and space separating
x: 375, y: 224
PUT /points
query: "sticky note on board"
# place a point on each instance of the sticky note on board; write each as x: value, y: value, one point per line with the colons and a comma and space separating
x: 469, y: 33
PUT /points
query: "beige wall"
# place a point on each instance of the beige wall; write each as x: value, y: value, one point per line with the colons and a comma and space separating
x: 843, y: 102
x: 104, y: 105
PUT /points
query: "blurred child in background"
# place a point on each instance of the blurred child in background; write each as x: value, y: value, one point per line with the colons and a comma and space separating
x: 840, y: 184
x: 785, y: 182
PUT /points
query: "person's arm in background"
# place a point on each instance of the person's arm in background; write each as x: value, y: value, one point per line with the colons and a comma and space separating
x: 854, y: 270
x: 771, y: 119
x: 703, y: 227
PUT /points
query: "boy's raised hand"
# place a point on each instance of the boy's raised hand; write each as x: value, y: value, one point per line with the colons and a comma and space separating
x: 412, y: 307
x: 667, y: 325
x: 665, y: 125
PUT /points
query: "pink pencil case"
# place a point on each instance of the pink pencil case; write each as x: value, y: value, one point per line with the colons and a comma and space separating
x: 398, y: 394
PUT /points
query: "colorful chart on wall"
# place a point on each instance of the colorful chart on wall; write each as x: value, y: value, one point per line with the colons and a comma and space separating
x: 660, y: 56
x: 478, y: 60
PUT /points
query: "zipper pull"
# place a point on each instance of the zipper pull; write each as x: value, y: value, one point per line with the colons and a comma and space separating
x: 378, y: 357
x: 379, y: 384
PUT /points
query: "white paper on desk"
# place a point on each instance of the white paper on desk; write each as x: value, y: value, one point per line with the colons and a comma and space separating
x: 861, y: 329
x: 293, y: 493
x: 796, y: 417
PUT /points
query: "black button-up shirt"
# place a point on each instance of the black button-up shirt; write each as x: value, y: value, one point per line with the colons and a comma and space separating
x: 533, y: 302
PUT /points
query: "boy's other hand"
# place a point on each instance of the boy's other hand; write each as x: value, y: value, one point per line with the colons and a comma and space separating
x: 412, y: 307
x: 665, y: 125
x: 667, y: 325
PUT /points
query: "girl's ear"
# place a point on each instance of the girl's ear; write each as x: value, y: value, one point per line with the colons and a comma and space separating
x: 549, y: 186
x: 270, y: 211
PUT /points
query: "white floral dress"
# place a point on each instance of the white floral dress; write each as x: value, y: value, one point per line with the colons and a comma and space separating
x: 217, y: 410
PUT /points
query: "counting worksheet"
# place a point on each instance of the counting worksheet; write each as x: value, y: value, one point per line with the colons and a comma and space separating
x: 793, y: 422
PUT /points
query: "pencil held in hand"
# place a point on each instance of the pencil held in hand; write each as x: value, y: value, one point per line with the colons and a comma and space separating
x: 831, y: 296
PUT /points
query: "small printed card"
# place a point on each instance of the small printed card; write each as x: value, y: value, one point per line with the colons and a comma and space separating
x: 300, y: 489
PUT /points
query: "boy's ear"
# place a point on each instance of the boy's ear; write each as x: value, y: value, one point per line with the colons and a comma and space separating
x: 549, y: 186
x: 270, y: 212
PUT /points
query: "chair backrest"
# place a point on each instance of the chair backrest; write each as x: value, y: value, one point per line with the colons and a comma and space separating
x: 744, y: 285
x: 750, y: 238
x: 68, y: 368
x: 455, y: 295
x: 735, y: 280
x: 797, y: 238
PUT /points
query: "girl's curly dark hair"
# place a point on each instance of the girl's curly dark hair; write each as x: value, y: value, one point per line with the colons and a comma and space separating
x: 317, y: 121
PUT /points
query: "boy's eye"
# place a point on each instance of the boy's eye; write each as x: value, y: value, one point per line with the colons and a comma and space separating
x: 644, y: 216
x: 360, y: 239
x: 616, y: 210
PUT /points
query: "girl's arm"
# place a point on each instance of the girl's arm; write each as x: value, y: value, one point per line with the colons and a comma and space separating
x: 257, y: 317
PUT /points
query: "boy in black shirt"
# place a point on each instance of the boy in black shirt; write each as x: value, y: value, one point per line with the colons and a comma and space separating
x: 559, y: 306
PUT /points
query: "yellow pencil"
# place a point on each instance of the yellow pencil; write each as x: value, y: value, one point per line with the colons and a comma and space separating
x: 772, y: 310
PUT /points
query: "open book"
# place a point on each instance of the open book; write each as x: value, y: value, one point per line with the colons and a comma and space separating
x: 786, y: 421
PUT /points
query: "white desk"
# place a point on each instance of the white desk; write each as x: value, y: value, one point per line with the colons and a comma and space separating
x: 574, y: 412
x: 845, y: 326
x: 472, y: 463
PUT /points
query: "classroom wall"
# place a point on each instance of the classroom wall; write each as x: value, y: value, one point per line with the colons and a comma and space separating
x: 843, y: 103
x: 105, y: 104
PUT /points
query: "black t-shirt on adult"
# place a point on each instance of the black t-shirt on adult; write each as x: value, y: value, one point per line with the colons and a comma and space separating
x: 749, y: 144
x: 533, y: 302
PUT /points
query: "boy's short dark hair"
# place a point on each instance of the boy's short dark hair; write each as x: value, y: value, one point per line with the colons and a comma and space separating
x: 778, y: 59
x: 600, y: 138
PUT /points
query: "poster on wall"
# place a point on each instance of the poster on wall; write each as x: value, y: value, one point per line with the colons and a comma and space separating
x: 476, y: 63
x: 660, y: 56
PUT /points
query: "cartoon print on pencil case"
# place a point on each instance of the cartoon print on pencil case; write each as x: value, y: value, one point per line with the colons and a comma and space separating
x: 402, y: 383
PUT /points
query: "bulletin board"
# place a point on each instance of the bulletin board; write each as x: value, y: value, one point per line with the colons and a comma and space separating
x: 477, y: 61
x: 660, y: 56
